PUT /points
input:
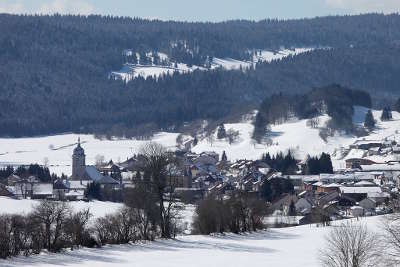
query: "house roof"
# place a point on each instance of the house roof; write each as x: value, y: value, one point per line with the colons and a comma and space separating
x: 59, y: 185
x: 364, y: 183
x: 381, y: 167
x: 93, y: 173
x: 42, y: 189
x: 360, y: 190
x: 333, y: 185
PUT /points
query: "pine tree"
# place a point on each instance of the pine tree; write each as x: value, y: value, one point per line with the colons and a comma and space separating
x: 195, y: 141
x: 224, y: 157
x: 221, y: 134
x: 292, y: 209
x: 325, y: 163
x: 397, y: 105
x: 369, y: 122
x: 386, y: 114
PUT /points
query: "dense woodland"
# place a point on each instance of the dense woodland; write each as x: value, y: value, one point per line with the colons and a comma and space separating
x: 54, y: 69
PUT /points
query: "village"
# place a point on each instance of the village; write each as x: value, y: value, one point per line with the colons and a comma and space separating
x: 363, y: 188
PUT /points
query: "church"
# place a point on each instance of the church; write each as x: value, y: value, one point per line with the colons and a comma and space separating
x: 86, y: 174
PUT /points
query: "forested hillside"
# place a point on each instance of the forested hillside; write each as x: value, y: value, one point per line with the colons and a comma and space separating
x: 54, y: 69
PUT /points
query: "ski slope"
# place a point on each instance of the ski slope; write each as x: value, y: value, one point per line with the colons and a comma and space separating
x: 287, y: 247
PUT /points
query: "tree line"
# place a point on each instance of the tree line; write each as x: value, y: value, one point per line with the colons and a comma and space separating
x: 54, y: 69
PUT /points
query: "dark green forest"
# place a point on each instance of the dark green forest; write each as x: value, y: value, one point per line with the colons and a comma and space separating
x: 54, y: 69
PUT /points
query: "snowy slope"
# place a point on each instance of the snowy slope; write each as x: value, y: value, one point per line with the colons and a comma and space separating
x: 302, y: 140
x: 288, y: 247
x: 132, y: 71
x: 24, y: 206
x: 58, y: 149
x: 265, y: 56
x: 294, y: 135
x: 269, y: 56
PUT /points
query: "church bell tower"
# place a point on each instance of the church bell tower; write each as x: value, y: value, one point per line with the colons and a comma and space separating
x: 78, y: 161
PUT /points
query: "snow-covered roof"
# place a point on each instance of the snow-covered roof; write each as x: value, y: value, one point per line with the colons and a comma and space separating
x: 360, y: 190
x: 378, y: 195
x: 364, y: 183
x: 81, y: 185
x: 42, y: 189
x: 333, y: 185
x: 381, y: 167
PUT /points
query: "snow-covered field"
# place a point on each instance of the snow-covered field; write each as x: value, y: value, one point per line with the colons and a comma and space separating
x: 288, y: 247
x: 301, y: 139
x: 294, y: 135
x: 132, y: 71
x: 24, y: 206
x: 57, y: 150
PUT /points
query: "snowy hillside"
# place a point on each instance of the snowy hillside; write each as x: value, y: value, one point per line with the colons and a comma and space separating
x: 301, y: 139
x: 57, y: 150
x: 287, y: 247
x: 132, y: 71
x: 294, y: 135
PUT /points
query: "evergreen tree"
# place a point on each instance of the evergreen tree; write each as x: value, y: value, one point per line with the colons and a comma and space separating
x: 93, y: 191
x: 221, y: 134
x: 386, y: 114
x: 315, y: 165
x: 292, y: 209
x: 195, y: 141
x: 224, y: 157
x: 325, y: 163
x: 397, y: 105
x: 369, y: 122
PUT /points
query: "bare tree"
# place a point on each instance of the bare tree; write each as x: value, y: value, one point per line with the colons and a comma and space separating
x: 210, y: 139
x: 100, y: 160
x: 351, y: 245
x: 51, y: 215
x: 391, y: 234
x: 159, y: 166
x: 143, y: 203
x: 76, y: 227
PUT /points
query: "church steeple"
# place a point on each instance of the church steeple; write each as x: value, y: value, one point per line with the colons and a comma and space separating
x: 78, y: 161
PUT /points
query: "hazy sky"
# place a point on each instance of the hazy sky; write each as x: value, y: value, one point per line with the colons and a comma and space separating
x: 202, y: 10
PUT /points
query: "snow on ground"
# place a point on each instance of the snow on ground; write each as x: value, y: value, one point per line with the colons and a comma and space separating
x: 230, y: 64
x: 132, y: 71
x: 58, y: 149
x: 269, y: 56
x: 287, y: 247
x: 24, y: 206
x: 265, y: 56
x: 294, y: 135
x: 302, y: 139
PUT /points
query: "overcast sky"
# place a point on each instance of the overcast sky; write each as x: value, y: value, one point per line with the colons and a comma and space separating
x: 201, y: 10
